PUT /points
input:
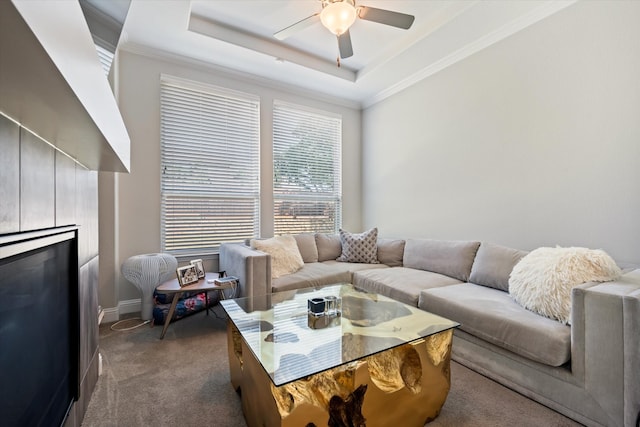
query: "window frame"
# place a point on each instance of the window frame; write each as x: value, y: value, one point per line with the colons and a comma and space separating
x: 200, y: 136
x: 317, y: 198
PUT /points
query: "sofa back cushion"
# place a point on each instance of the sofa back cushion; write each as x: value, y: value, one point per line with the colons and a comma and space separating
x: 329, y: 246
x: 391, y: 252
x: 493, y: 264
x: 307, y: 246
x: 448, y: 257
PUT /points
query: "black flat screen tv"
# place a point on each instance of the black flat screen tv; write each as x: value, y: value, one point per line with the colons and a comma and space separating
x: 39, y: 349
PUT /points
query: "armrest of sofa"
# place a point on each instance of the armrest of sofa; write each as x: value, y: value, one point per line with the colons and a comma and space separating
x: 250, y: 266
x: 606, y: 344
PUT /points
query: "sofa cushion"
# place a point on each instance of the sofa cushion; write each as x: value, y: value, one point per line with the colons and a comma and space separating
x: 359, y: 247
x: 352, y: 266
x: 400, y: 283
x: 285, y: 255
x: 493, y: 264
x: 448, y: 257
x: 492, y: 315
x: 311, y: 275
x: 542, y: 281
x: 390, y: 252
x: 329, y: 246
x: 307, y: 246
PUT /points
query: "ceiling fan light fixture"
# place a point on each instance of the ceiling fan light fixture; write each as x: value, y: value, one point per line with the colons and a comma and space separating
x: 338, y: 16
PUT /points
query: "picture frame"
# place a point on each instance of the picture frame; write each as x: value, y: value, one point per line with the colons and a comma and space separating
x: 187, y: 275
x: 199, y: 267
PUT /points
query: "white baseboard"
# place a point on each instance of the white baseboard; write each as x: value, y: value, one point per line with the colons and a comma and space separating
x: 112, y: 314
x: 129, y: 306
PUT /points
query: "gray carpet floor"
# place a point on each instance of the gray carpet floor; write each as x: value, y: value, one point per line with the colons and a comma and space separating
x: 183, y: 380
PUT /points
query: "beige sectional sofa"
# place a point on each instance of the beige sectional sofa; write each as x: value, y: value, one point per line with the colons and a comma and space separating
x: 589, y: 371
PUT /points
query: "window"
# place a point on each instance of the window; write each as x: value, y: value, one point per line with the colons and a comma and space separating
x: 105, y: 53
x: 307, y: 190
x: 210, y: 144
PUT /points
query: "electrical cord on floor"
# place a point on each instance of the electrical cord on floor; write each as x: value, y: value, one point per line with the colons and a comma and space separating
x: 144, y: 322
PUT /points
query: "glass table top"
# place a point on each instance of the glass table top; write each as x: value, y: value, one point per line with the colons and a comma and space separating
x: 291, y: 343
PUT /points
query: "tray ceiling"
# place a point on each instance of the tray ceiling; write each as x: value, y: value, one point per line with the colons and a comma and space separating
x: 238, y: 35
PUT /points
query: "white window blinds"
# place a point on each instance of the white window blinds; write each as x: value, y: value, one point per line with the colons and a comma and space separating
x: 307, y: 186
x: 105, y: 53
x: 106, y: 58
x: 210, y: 166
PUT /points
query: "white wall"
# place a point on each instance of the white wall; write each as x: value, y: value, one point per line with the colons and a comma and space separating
x: 534, y: 141
x: 131, y: 203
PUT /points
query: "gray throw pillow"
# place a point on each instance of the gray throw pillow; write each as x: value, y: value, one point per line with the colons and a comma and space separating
x: 361, y: 248
x: 493, y: 264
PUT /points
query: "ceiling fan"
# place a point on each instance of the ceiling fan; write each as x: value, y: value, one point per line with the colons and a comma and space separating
x: 338, y: 15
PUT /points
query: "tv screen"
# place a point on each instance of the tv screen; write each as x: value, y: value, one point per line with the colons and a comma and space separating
x: 38, y: 338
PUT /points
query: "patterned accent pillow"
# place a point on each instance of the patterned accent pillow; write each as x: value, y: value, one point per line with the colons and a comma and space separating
x: 362, y: 248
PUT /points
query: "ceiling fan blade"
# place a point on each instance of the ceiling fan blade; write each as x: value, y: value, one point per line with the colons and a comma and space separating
x: 387, y: 17
x: 298, y: 26
x: 344, y: 44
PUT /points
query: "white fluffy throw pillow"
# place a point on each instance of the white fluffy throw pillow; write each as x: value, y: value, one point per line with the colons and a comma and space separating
x: 543, y: 279
x: 285, y: 255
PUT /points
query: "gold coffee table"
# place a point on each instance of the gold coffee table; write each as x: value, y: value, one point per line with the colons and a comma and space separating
x: 377, y: 363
